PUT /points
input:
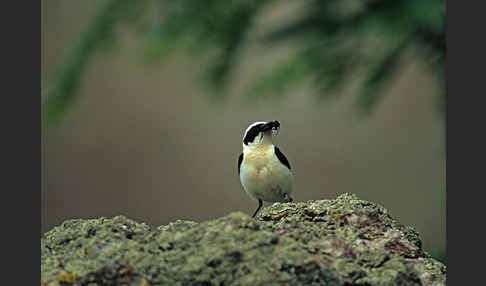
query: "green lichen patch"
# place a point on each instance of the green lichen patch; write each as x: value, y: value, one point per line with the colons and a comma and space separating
x: 346, y: 241
x: 357, y: 238
x: 120, y: 273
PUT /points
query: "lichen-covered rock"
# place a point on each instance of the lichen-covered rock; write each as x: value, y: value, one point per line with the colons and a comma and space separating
x: 346, y: 241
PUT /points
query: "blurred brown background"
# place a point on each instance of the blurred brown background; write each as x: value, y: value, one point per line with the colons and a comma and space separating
x: 145, y: 142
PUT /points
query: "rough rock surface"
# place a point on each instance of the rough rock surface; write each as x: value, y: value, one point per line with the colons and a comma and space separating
x: 346, y: 241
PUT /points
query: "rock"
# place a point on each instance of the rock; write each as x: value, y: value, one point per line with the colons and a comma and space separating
x: 346, y: 241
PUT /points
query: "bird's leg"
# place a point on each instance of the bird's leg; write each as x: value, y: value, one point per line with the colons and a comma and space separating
x: 260, y: 203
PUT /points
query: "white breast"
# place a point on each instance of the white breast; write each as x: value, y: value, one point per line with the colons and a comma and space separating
x: 263, y: 176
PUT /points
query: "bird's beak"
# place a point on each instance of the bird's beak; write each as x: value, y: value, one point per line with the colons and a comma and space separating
x: 272, y: 125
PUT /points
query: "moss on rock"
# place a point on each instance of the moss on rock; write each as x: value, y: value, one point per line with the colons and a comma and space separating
x: 346, y: 241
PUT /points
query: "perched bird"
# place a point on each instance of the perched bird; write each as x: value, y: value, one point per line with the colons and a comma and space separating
x: 263, y: 169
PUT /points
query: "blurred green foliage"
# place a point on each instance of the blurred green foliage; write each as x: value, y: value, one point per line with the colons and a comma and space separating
x: 335, y: 39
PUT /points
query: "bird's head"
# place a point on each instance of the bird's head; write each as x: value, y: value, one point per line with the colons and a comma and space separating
x: 260, y: 133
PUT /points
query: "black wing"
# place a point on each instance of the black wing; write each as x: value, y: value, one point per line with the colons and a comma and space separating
x: 240, y: 159
x: 281, y: 157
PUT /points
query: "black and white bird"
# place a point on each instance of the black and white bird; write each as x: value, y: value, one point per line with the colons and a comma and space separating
x: 263, y: 169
